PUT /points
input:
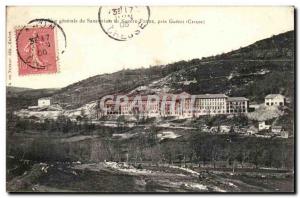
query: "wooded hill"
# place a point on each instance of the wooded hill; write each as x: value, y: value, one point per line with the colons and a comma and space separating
x: 266, y: 66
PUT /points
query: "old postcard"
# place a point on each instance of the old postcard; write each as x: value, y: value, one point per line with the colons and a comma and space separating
x: 150, y: 99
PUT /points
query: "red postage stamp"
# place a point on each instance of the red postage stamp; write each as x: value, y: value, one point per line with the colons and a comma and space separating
x: 36, y: 48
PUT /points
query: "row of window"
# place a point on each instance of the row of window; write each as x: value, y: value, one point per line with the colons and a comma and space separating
x: 237, y: 103
x: 207, y: 111
x: 197, y: 104
x: 156, y: 108
x: 210, y: 103
x: 274, y: 103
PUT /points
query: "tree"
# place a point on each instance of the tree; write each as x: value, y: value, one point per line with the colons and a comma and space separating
x: 120, y: 121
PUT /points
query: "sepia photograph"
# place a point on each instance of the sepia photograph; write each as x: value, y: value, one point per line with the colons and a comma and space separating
x: 150, y: 99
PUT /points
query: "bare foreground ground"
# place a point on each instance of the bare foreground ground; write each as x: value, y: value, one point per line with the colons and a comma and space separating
x: 25, y: 175
x: 43, y: 161
x: 120, y: 177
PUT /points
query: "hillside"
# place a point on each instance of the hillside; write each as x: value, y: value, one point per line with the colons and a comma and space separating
x: 123, y: 81
x: 267, y: 66
x: 19, y: 97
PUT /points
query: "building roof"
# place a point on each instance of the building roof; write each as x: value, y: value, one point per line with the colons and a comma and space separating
x: 237, y: 99
x: 170, y: 97
x: 184, y: 93
x: 276, y: 127
x: 272, y: 96
x: 211, y: 96
x: 45, y: 98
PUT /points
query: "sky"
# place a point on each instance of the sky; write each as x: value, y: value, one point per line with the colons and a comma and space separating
x: 90, y: 51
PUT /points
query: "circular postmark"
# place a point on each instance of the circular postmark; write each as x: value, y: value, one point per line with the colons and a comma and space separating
x: 122, y: 23
x: 37, y: 46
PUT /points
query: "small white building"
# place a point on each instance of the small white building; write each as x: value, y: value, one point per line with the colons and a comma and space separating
x: 44, y: 102
x: 274, y: 99
x: 252, y: 130
x: 263, y: 126
x: 284, y: 134
x: 277, y: 129
x: 225, y: 129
